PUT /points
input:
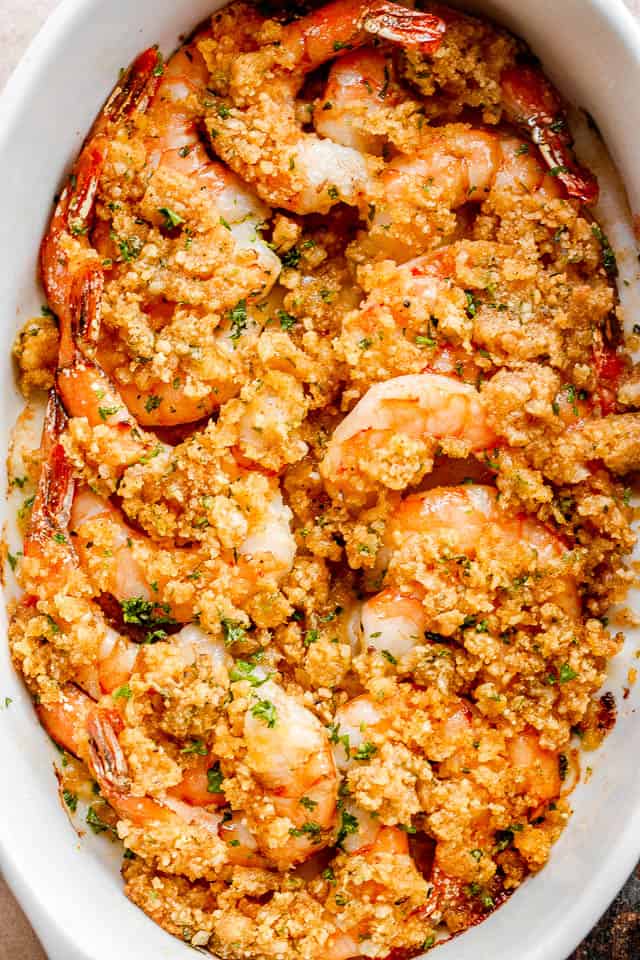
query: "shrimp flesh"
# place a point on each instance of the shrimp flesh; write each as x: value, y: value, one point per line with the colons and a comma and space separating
x: 448, y: 166
x: 65, y: 249
x: 289, y: 754
x: 298, y: 171
x: 462, y: 520
x: 73, y: 271
x: 136, y: 570
x: 416, y: 413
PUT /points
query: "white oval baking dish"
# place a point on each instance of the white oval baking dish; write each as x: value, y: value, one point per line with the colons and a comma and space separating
x: 70, y: 887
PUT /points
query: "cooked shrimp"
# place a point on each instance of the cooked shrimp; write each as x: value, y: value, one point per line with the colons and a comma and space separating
x: 461, y: 520
x: 179, y: 148
x: 129, y: 566
x: 176, y: 398
x: 226, y: 263
x: 297, y: 170
x: 289, y: 754
x: 526, y: 96
x: 394, y: 620
x: 452, y: 165
x: 378, y: 874
x: 65, y: 248
x: 356, y: 101
x: 425, y: 308
x: 412, y: 414
x: 536, y: 770
x: 355, y: 721
x: 209, y: 838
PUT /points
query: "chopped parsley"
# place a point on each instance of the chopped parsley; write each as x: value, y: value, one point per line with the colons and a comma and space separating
x: 215, y: 777
x: 311, y: 636
x: 197, y: 747
x: 242, y: 670
x: 147, y: 613
x: 291, y: 258
x: 171, y: 218
x: 557, y: 171
x: 365, y: 751
x: 565, y: 674
x: 389, y: 656
x: 130, y: 247
x: 308, y: 803
x: 122, y: 693
x: 609, y: 261
x: 472, y: 304
x: 71, y: 800
x: 349, y: 825
x: 232, y: 631
x: 238, y: 319
x: 336, y: 737
x: 158, y: 70
x: 152, y: 402
x: 309, y: 829
x: 287, y: 321
x: 107, y: 412
x: 264, y: 710
x: 97, y: 824
x: 26, y: 506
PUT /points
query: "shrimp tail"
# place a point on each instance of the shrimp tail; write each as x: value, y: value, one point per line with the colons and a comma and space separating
x: 108, y: 761
x: 52, y: 505
x: 73, y: 213
x: 137, y: 87
x: 408, y: 27
x: 531, y: 102
x: 80, y: 321
x: 72, y: 217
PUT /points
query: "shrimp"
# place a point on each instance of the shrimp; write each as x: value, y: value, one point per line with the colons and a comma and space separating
x: 411, y: 208
x: 409, y: 415
x: 360, y: 84
x: 179, y: 148
x: 289, y: 755
x: 357, y: 98
x: 65, y: 249
x: 298, y: 171
x: 425, y: 307
x: 220, y: 269
x: 460, y: 521
x: 66, y: 254
x: 394, y: 621
x: 536, y: 770
x: 408, y: 202
x: 378, y: 875
x: 147, y: 579
x: 77, y: 724
x: 531, y: 102
x: 90, y: 732
x: 56, y: 589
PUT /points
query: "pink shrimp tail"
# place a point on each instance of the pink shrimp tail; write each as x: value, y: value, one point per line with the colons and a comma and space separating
x: 137, y: 87
x: 107, y: 759
x: 404, y: 26
x: 531, y: 102
x: 52, y: 506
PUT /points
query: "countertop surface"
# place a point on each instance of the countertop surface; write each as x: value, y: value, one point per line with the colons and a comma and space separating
x: 617, y: 935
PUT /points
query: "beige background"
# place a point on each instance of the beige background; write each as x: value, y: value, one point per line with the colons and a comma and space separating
x: 19, y: 20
